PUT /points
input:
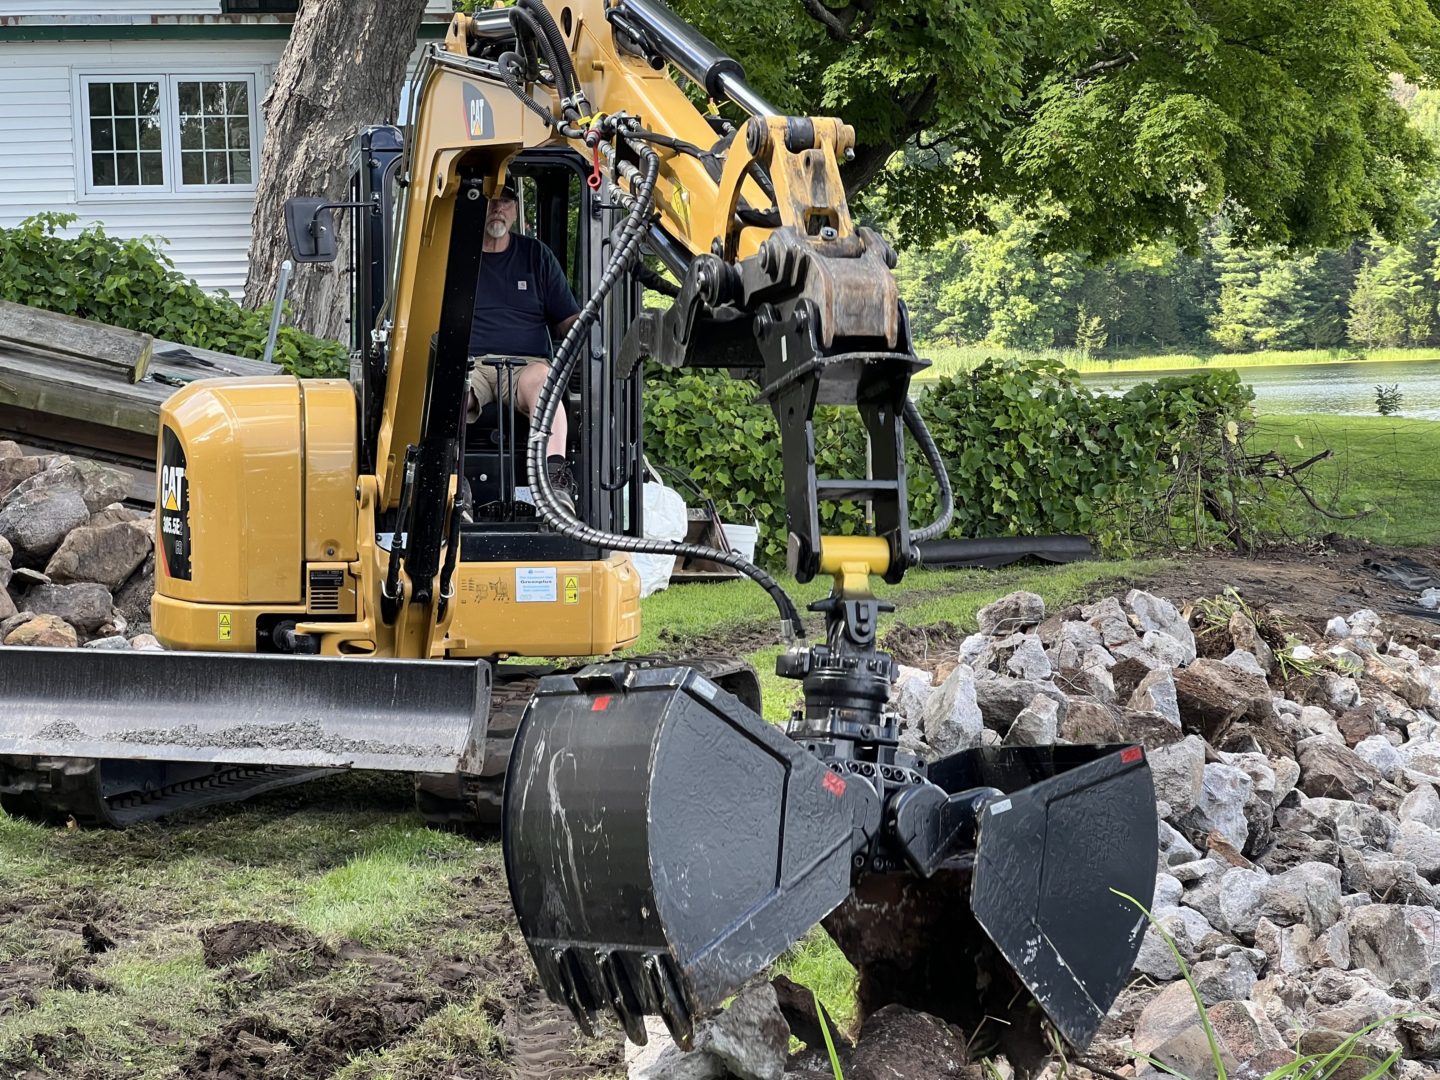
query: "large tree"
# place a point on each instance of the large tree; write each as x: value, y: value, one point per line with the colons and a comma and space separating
x: 342, y: 69
x: 1141, y: 119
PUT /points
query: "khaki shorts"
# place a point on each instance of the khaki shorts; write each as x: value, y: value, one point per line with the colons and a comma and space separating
x: 484, y: 383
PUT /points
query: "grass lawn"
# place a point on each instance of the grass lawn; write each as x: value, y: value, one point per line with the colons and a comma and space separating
x: 955, y: 359
x: 1385, y: 469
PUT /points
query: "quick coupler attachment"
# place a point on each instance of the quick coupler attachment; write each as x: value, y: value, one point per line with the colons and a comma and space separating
x: 1007, y: 912
x: 663, y: 843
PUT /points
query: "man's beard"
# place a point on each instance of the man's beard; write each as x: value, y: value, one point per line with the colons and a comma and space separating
x: 496, y: 229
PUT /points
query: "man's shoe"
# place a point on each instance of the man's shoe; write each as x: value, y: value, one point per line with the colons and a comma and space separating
x: 562, y: 482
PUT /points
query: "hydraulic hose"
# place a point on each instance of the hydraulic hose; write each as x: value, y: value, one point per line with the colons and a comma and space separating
x: 572, y: 94
x: 563, y: 521
x: 504, y: 63
x: 916, y: 424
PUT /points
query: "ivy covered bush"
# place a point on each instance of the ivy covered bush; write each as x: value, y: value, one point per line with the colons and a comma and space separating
x: 132, y: 283
x: 1029, y: 448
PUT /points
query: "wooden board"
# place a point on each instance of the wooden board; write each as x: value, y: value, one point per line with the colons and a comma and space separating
x: 108, y: 347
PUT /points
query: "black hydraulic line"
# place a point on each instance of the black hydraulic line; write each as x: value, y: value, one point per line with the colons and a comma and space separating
x: 526, y: 25
x: 1000, y: 550
x: 503, y: 64
x: 552, y: 392
x: 916, y: 424
x: 572, y: 94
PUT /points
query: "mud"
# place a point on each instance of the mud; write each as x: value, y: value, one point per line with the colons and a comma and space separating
x: 293, y: 735
x: 229, y: 942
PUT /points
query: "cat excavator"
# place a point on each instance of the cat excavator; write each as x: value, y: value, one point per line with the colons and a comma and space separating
x: 356, y: 574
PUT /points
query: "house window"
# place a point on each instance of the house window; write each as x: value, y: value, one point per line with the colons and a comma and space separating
x: 150, y: 134
x: 259, y: 7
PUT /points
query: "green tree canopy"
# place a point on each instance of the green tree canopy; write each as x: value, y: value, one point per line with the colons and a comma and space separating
x: 1140, y: 119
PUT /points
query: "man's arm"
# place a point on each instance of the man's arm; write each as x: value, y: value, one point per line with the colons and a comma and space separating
x: 563, y: 326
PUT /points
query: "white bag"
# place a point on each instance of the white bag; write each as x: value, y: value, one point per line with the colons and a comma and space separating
x: 666, y: 518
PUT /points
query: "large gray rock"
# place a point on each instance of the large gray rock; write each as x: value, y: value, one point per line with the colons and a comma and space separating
x: 1419, y: 845
x: 1178, y: 773
x: 1028, y: 660
x: 37, y: 521
x: 1241, y: 660
x: 1156, y: 693
x: 1224, y: 793
x: 1018, y: 611
x: 1230, y: 979
x: 99, y: 485
x: 750, y: 1038
x: 1314, y: 720
x: 1241, y: 893
x: 1351, y: 824
x: 909, y: 693
x: 1384, y: 878
x: 951, y: 717
x: 1154, y: 613
x: 1001, y: 700
x: 1037, y: 724
x: 1190, y: 932
x: 1397, y: 944
x: 1422, y: 805
x: 1308, y: 894
x: 1376, y: 750
x: 1175, y: 850
x: 1109, y: 620
x: 13, y: 470
x: 106, y: 554
x: 85, y: 606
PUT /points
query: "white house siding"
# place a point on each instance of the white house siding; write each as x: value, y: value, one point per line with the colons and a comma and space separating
x: 208, y: 235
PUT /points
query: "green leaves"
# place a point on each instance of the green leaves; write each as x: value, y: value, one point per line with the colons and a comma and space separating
x: 1030, y: 450
x: 131, y: 283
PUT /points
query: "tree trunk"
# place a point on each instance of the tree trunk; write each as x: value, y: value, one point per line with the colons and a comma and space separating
x: 341, y: 70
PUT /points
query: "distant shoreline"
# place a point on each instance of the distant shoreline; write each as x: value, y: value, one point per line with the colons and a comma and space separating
x: 955, y: 360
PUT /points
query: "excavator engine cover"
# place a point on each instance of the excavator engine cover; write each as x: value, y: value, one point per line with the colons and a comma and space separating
x: 663, y: 844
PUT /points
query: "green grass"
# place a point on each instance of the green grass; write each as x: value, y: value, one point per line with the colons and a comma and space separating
x: 957, y: 359
x: 1385, y: 468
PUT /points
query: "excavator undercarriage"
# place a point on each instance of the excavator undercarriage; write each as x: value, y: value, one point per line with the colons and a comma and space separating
x: 350, y: 571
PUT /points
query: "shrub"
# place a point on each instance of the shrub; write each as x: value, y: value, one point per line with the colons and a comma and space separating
x: 1029, y: 449
x: 132, y: 283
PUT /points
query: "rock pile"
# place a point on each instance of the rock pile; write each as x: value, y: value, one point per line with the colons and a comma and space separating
x: 76, y: 566
x: 1298, y: 786
x: 1299, y: 791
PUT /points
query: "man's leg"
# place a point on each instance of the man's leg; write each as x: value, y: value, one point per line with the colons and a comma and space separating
x: 527, y: 394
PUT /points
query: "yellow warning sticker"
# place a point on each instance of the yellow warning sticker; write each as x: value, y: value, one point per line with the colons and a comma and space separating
x: 572, y: 588
x: 226, y: 629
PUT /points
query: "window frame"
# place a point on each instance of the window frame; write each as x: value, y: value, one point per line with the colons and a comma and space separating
x: 174, y: 187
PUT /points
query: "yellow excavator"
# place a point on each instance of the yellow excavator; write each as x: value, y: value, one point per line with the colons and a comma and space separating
x: 347, y: 570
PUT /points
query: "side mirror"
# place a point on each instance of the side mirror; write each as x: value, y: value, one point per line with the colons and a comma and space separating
x: 310, y: 226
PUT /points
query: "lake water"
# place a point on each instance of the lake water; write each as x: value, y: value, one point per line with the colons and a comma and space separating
x: 1344, y: 389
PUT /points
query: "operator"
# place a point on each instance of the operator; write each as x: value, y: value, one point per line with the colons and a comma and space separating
x: 523, y: 306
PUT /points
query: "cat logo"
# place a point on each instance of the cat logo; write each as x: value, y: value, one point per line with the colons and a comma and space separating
x: 479, y: 117
x: 171, y: 479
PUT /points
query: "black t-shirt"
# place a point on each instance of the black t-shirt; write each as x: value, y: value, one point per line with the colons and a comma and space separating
x: 520, y: 293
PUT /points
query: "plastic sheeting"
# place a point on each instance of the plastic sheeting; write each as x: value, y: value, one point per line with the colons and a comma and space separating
x: 666, y: 518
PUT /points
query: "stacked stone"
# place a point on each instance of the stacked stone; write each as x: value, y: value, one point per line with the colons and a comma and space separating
x: 76, y: 565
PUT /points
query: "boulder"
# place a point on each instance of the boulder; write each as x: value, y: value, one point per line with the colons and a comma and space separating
x: 1241, y: 894
x: 1230, y: 979
x: 1351, y: 824
x: 1001, y: 700
x: 1166, y: 650
x: 148, y: 642
x: 1244, y: 635
x: 48, y: 631
x: 1178, y: 773
x: 1308, y: 894
x: 1244, y: 661
x: 1419, y: 845
x: 909, y: 693
x: 1212, y: 695
x: 1331, y: 771
x: 1156, y: 693
x: 1028, y: 660
x: 1036, y: 725
x: 750, y: 1038
x: 1224, y: 791
x: 1109, y: 621
x: 15, y: 469
x: 1341, y: 692
x: 99, y: 485
x: 1422, y: 805
x: 1376, y: 750
x: 1244, y: 1030
x: 1314, y: 720
x: 85, y: 606
x: 1154, y: 613
x: 107, y: 554
x: 36, y: 522
x: 1018, y: 611
x: 951, y: 718
x: 1397, y: 944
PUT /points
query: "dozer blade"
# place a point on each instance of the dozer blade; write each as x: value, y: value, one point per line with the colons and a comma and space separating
x: 663, y: 844
x: 244, y: 709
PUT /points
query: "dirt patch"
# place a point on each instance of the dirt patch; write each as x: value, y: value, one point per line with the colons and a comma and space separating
x: 230, y: 942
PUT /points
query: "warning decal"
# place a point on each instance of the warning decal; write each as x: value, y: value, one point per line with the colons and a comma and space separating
x: 174, y: 507
x: 572, y: 588
x: 226, y: 628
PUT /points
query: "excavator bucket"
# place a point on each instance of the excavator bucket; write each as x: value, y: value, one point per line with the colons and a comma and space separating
x: 306, y: 712
x: 663, y: 844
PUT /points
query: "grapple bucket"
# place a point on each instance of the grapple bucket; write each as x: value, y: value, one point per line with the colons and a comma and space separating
x: 244, y: 709
x: 663, y: 844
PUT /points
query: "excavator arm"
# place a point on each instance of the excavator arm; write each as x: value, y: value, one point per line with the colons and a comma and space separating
x: 663, y: 843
